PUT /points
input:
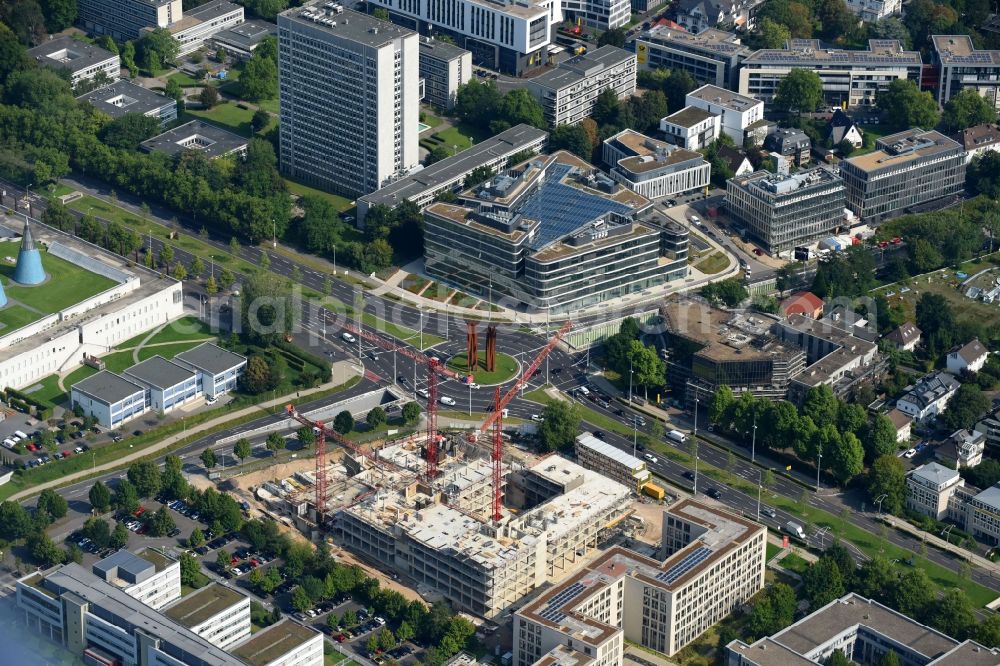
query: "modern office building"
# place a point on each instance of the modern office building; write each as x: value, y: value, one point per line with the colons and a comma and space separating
x: 870, y: 11
x: 218, y: 369
x: 906, y: 169
x: 350, y: 98
x: 101, y: 623
x: 928, y: 397
x: 168, y: 385
x: 782, y: 211
x: 652, y: 168
x: 710, y: 563
x: 600, y: 14
x: 109, y: 398
x: 553, y: 233
x: 126, y: 19
x: 864, y: 631
x: 149, y: 576
x: 737, y: 113
x: 961, y: 65
x: 978, y: 513
x: 217, y: 613
x: 851, y: 78
x: 241, y: 40
x: 596, y: 454
x: 692, y: 127
x: 509, y: 37
x: 713, y: 347
x: 568, y: 92
x: 203, y: 22
x: 710, y: 56
x: 443, y: 67
x: 83, y: 61
x: 126, y: 97
x: 211, y: 140
x: 448, y: 175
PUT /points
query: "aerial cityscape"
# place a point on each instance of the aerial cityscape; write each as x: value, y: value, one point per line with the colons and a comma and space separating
x: 499, y: 332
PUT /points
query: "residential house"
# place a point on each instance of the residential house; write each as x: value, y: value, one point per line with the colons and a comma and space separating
x: 905, y: 337
x: 791, y: 143
x: 929, y: 487
x: 978, y: 140
x: 929, y: 397
x: 963, y: 449
x: 971, y: 357
x: 737, y: 160
x: 842, y: 127
x: 902, y: 423
x: 691, y: 127
x: 804, y: 303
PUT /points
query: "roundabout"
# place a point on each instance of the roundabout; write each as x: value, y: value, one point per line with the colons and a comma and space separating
x: 507, y: 368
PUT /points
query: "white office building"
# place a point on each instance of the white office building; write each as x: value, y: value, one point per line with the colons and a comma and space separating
x: 737, y: 113
x: 126, y: 19
x: 600, y: 14
x: 875, y: 10
x: 692, y: 127
x: 961, y: 65
x: 443, y: 67
x: 710, y: 56
x: 83, y: 61
x: 217, y: 613
x: 218, y: 369
x: 149, y: 576
x: 568, y: 93
x: 109, y: 398
x: 168, y: 385
x: 204, y: 22
x: 929, y: 487
x: 652, y: 168
x: 349, y: 98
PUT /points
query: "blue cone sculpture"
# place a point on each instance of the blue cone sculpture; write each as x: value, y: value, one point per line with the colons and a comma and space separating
x: 3, y: 296
x: 29, y: 261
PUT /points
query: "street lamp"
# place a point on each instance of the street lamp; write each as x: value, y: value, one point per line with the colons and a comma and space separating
x: 753, y: 441
x: 694, y: 438
x: 274, y: 233
x: 630, y: 373
x: 819, y: 461
x: 334, y: 261
x: 760, y: 484
x: 879, y: 499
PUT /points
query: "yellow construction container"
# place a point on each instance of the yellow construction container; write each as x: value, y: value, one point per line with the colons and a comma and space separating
x: 654, y: 491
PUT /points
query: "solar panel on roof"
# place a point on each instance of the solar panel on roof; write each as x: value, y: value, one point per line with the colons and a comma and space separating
x: 553, y: 611
x: 690, y: 561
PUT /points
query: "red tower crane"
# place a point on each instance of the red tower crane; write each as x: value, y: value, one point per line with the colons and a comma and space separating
x: 495, y: 420
x: 434, y: 368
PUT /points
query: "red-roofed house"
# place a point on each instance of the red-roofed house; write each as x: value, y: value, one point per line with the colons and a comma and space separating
x: 803, y: 303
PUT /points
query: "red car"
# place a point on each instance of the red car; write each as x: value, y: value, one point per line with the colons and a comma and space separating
x: 341, y: 638
x: 32, y: 446
x: 759, y: 252
x: 138, y: 512
x: 66, y: 454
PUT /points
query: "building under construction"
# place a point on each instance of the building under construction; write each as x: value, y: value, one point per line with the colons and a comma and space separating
x: 440, y: 534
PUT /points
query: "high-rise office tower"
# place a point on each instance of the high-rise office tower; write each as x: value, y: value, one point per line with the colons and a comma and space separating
x: 350, y: 98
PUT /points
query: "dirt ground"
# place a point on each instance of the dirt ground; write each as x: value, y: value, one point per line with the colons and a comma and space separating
x: 652, y: 516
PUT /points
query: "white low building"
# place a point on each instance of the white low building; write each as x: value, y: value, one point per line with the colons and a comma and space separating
x: 929, y: 487
x: 81, y: 60
x: 111, y: 399
x: 168, y: 385
x: 218, y: 369
x: 970, y: 357
x: 149, y: 576
x: 217, y: 613
x: 653, y: 168
x: 929, y: 397
x: 204, y: 22
x: 875, y: 10
x: 692, y: 127
x: 737, y: 112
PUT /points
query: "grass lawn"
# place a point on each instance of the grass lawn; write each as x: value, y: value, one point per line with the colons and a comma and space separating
x: 399, y: 332
x: 428, y: 117
x: 772, y: 550
x: 116, y: 362
x: 82, y: 372
x: 185, y: 80
x: 100, y: 208
x: 269, y: 105
x: 13, y: 317
x: 166, y: 351
x: 49, y: 391
x: 340, y: 203
x: 337, y: 659
x: 715, y: 263
x: 58, y: 190
x: 793, y: 562
x: 227, y: 115
x: 182, y: 330
x: 67, y: 285
x: 506, y: 367
x: 454, y: 138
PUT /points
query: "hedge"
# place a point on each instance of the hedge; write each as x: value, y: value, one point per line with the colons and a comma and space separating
x: 42, y: 410
x: 324, y: 367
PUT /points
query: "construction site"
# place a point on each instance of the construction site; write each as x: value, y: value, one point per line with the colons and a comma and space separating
x: 460, y: 515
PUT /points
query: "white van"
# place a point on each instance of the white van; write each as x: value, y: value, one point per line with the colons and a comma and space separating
x: 677, y: 436
x: 8, y: 443
x: 582, y: 391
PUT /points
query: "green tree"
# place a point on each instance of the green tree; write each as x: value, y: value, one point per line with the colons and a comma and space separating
x: 162, y: 523
x: 209, y: 96
x: 43, y: 550
x: 174, y: 91
x: 903, y: 105
x: 606, y: 108
x: 796, y: 16
x: 988, y: 631
x: 381, y: 13
x: 100, y: 497
x: 275, y: 442
x: 835, y: 19
x: 983, y: 175
x: 848, y: 459
x: 773, y: 35
x: 196, y: 539
x: 242, y: 449
x: 190, y: 571
x: 257, y: 377
x: 436, y: 154
x: 966, y: 109
x: 128, y: 58
x: 119, y: 536
x: 98, y: 531
x: 376, y: 417
x: 801, y: 91
x: 259, y: 79
x: 306, y: 436
x: 411, y: 412
x: 952, y: 614
x: 179, y: 272
x: 965, y: 408
x: 887, y: 477
x: 519, y: 106
x: 478, y: 175
x: 839, y: 659
x: 223, y: 560
x: 730, y: 292
x: 615, y: 37
x: 268, y: 309
x: 720, y: 404
x: 880, y: 438
x: 890, y: 658
x: 300, y: 600
x: 936, y: 322
x: 208, y: 458
x: 145, y: 476
x: 349, y: 618
x: 343, y: 422
x: 822, y: 582
x: 157, y: 47
x: 125, y: 497
x: 52, y: 504
x: 560, y: 426
x: 129, y: 130
x: 572, y: 138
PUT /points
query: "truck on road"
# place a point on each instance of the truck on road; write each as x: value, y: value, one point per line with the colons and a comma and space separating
x: 795, y: 529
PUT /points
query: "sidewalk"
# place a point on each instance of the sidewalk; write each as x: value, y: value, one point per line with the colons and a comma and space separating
x: 935, y: 540
x: 205, y: 427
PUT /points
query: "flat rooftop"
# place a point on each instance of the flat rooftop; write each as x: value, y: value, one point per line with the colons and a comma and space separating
x: 635, y: 143
x: 108, y: 387
x: 904, y: 147
x: 440, y: 50
x: 711, y: 40
x: 345, y: 24
x: 212, y: 10
x: 246, y: 35
x: 724, y: 98
x: 124, y: 97
x: 673, y: 157
x: 969, y: 653
x: 773, y: 187
x: 959, y: 50
x: 160, y: 373
x: 69, y: 53
x: 578, y: 68
x: 803, y: 52
x: 203, y: 604
x: 446, y: 171
x: 158, y: 559
x: 722, y: 335
x: 689, y: 116
x: 211, y: 358
x: 210, y: 139
x: 273, y: 642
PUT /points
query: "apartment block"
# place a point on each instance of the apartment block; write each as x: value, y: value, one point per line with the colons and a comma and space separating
x: 864, y: 631
x: 596, y: 454
x: 851, y: 78
x: 127, y: 19
x: 711, y: 56
x: 100, y: 623
x: 217, y: 613
x: 594, y: 245
x: 961, y: 65
x: 711, y: 562
x: 737, y: 113
x: 930, y: 487
x: 652, y: 168
x: 81, y: 60
x: 149, y: 576
x: 448, y: 175
x: 350, y: 98
x: 906, y: 169
x: 782, y: 211
x: 509, y: 37
x: 692, y: 128
x: 568, y: 93
x: 443, y: 67
x: 977, y: 513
